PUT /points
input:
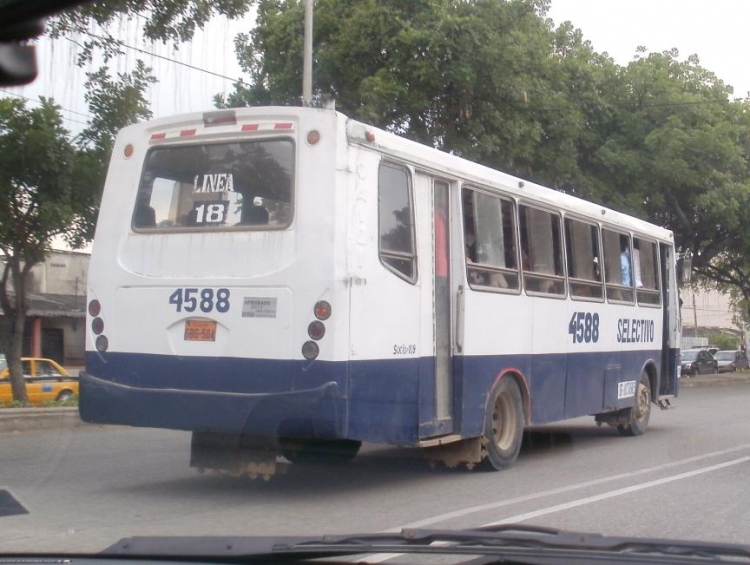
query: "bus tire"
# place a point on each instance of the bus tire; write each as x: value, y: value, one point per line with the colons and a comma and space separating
x: 640, y: 413
x: 504, y: 420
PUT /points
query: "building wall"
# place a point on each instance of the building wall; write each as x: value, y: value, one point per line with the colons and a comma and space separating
x: 712, y: 310
x: 64, y: 272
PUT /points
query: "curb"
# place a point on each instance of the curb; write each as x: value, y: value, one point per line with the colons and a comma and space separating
x: 13, y: 420
x: 714, y: 380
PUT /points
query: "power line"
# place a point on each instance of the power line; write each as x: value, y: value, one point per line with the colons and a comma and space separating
x: 37, y: 101
x: 176, y: 62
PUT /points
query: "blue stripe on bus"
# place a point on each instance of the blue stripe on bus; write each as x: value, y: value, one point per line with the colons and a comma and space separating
x: 388, y: 401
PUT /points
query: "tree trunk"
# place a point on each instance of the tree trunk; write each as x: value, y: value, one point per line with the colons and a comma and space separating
x: 17, y: 381
x: 20, y: 307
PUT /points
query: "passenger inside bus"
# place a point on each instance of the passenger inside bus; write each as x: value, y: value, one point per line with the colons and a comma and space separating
x: 254, y: 213
x: 477, y: 276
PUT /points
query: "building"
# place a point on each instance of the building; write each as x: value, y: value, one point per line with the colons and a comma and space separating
x: 56, y: 322
x: 705, y: 313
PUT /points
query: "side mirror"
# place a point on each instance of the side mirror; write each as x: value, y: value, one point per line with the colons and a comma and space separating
x: 684, y: 268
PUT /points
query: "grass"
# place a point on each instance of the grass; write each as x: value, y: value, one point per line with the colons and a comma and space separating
x: 71, y: 402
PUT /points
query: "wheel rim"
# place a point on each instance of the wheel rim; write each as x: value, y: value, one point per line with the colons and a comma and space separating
x: 643, y: 402
x: 503, y: 422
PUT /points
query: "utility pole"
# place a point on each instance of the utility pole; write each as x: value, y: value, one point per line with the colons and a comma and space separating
x: 307, y: 63
x: 695, y: 316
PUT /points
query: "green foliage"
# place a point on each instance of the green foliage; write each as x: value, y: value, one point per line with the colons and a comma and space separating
x: 164, y: 20
x: 50, y: 185
x: 38, y: 182
x: 724, y: 340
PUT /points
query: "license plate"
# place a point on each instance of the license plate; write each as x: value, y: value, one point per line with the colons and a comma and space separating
x: 199, y: 330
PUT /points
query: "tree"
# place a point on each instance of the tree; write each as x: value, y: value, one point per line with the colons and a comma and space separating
x: 50, y: 184
x: 37, y: 193
x: 452, y: 74
x: 114, y: 104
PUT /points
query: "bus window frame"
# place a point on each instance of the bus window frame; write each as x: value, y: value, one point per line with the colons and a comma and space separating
x: 616, y: 286
x: 657, y: 261
x: 210, y: 229
x: 541, y: 206
x: 474, y: 188
x: 397, y: 255
x: 602, y: 284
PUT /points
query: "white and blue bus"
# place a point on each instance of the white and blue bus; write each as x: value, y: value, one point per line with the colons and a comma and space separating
x: 284, y: 280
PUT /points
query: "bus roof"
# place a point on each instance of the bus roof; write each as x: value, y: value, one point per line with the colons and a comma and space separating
x: 421, y: 157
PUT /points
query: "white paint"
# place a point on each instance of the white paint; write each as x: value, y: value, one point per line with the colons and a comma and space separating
x: 577, y: 486
x: 614, y: 493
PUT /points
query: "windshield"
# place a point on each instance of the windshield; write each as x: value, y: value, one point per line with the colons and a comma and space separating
x: 725, y: 355
x: 328, y: 268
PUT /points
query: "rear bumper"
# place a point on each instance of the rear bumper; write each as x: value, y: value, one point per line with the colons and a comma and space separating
x: 316, y: 412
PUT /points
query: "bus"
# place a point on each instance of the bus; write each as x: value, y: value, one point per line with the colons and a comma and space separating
x: 289, y: 281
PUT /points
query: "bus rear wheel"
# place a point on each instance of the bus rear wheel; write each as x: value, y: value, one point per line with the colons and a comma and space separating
x: 503, y: 431
x: 640, y: 413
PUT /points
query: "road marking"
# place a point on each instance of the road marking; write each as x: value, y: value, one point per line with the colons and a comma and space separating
x: 379, y: 558
x: 563, y: 490
x: 614, y: 493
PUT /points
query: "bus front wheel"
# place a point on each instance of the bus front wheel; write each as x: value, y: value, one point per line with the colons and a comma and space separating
x: 504, y: 420
x: 640, y: 413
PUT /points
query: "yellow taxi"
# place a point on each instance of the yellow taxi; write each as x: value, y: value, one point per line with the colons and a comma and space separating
x: 45, y: 380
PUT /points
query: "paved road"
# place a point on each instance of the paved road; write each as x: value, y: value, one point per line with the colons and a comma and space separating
x: 688, y: 477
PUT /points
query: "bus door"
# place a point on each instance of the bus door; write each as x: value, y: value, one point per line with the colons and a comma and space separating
x: 671, y: 325
x: 436, y: 373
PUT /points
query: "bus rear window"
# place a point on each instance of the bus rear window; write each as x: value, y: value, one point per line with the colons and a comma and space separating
x: 218, y: 186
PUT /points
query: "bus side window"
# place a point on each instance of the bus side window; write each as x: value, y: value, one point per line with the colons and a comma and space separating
x: 490, y: 241
x: 582, y: 246
x: 618, y: 271
x: 646, y: 272
x: 396, y: 222
x: 541, y: 251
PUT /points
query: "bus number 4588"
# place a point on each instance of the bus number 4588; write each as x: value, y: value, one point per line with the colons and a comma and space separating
x: 584, y: 326
x: 189, y: 299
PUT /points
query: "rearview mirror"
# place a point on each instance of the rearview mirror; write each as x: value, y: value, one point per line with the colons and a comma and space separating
x: 17, y: 64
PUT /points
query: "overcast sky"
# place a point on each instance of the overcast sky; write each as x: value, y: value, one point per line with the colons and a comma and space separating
x: 716, y: 30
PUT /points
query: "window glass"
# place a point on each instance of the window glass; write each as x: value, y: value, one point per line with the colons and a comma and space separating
x: 541, y: 251
x: 45, y: 369
x: 618, y: 272
x: 584, y: 271
x: 490, y: 239
x: 217, y: 186
x: 26, y: 368
x: 646, y: 271
x: 396, y: 221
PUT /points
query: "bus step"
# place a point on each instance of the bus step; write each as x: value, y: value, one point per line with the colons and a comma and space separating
x: 665, y: 402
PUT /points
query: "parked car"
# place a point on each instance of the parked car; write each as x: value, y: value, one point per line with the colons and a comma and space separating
x: 726, y: 361
x: 741, y: 361
x: 698, y: 361
x: 45, y: 380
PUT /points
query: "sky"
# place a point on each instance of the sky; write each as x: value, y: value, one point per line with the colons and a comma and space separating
x: 715, y: 30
